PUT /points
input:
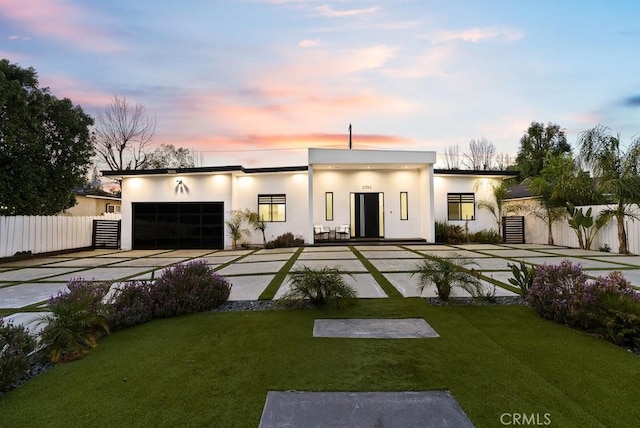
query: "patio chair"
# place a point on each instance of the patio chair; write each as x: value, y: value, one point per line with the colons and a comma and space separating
x: 320, y: 232
x: 343, y: 231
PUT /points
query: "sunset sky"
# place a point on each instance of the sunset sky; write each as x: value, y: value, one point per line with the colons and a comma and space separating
x: 254, y: 82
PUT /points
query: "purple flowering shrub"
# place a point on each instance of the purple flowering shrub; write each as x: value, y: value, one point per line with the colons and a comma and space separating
x: 552, y: 288
x: 132, y: 304
x: 15, y: 346
x: 608, y: 305
x: 188, y: 288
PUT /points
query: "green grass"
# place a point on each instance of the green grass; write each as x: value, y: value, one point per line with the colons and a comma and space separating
x: 214, y: 369
x: 382, y: 281
x: 271, y: 290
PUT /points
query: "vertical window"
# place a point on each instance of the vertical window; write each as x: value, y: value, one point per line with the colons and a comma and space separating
x: 328, y: 206
x: 272, y: 208
x: 404, y: 206
x: 461, y: 206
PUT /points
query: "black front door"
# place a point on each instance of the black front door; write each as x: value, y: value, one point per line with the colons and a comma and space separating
x: 367, y: 215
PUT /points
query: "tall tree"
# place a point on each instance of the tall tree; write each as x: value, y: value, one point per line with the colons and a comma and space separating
x: 480, y: 155
x: 123, y: 133
x: 452, y: 157
x: 615, y: 171
x: 45, y: 145
x: 538, y: 144
x: 547, y: 187
x: 167, y: 156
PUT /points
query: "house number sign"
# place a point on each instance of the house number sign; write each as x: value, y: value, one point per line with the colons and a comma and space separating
x: 367, y: 187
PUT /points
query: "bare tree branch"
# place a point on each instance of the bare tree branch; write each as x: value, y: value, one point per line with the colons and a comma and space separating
x: 481, y: 155
x: 452, y: 157
x: 123, y: 133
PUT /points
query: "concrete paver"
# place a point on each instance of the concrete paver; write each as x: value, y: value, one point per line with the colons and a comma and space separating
x: 397, y: 254
x: 395, y: 265
x: 411, y: 409
x: 38, y: 261
x: 328, y: 255
x: 86, y: 262
x: 343, y: 265
x: 250, y: 268
x: 370, y: 328
x: 101, y: 274
x: 365, y: 285
x: 248, y: 287
x: 29, y: 320
x: 585, y: 263
x: 18, y: 296
x: 510, y: 253
x: 30, y: 274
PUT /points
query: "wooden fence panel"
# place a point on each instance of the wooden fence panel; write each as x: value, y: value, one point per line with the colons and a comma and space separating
x: 41, y: 234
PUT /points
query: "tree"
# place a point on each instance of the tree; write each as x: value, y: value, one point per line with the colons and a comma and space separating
x: 452, y: 157
x: 167, y: 156
x: 500, y: 191
x: 548, y: 187
x: 537, y: 145
x: 123, y: 133
x: 615, y: 172
x: 236, y: 229
x: 480, y: 156
x: 45, y: 145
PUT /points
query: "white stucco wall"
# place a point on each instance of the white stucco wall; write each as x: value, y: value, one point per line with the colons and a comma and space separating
x: 481, y: 186
x: 389, y: 182
x: 293, y: 185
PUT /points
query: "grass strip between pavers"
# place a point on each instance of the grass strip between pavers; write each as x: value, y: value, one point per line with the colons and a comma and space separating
x: 382, y: 281
x: 271, y: 290
x: 230, y: 262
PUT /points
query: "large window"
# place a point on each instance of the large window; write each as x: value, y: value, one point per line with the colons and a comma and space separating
x: 272, y: 208
x: 461, y: 206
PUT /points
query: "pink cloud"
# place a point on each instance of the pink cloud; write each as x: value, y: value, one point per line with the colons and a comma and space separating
x: 330, y: 12
x: 475, y: 35
x: 60, y: 20
x: 309, y: 43
x: 77, y: 92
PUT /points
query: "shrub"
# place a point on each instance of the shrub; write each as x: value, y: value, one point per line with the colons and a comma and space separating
x: 15, y: 346
x: 445, y: 274
x: 610, y: 307
x: 486, y: 236
x: 319, y: 287
x: 522, y: 277
x: 77, y: 319
x: 285, y: 240
x: 552, y: 287
x: 132, y: 304
x: 449, y: 233
x: 605, y: 248
x: 188, y: 288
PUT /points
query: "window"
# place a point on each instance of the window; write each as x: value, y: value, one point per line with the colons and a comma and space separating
x: 111, y: 208
x: 272, y: 208
x: 404, y: 206
x: 461, y: 206
x: 328, y: 206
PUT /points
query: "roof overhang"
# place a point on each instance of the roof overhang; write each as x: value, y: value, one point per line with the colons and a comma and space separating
x: 369, y: 159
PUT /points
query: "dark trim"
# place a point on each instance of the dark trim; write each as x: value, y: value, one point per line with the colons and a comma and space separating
x: 486, y: 173
x: 204, y: 169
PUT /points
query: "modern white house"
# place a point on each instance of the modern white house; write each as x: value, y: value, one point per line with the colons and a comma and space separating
x: 371, y: 194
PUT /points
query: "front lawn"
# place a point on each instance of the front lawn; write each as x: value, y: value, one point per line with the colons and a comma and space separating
x: 214, y: 369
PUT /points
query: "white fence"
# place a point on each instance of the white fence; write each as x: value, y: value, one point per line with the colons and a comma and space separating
x: 563, y: 235
x: 42, y: 234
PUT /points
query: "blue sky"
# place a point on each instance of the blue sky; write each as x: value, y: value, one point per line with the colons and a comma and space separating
x: 253, y: 82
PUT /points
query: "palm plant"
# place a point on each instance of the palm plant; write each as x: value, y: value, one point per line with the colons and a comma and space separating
x: 446, y: 273
x: 500, y: 191
x: 319, y: 287
x: 615, y: 172
x: 255, y: 221
x: 75, y: 323
x: 236, y: 231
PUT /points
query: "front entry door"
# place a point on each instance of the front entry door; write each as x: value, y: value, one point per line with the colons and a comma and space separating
x: 367, y: 215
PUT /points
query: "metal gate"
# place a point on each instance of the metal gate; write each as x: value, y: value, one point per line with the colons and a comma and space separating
x: 513, y: 229
x: 106, y: 234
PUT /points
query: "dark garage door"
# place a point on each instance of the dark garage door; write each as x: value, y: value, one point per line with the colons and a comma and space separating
x: 178, y: 225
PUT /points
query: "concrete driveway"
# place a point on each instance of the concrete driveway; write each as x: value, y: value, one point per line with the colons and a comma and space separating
x: 26, y: 285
